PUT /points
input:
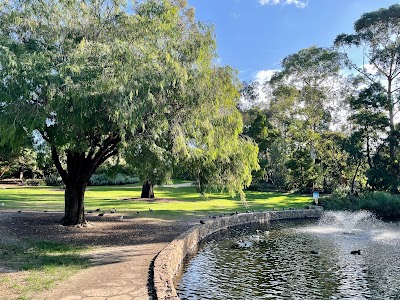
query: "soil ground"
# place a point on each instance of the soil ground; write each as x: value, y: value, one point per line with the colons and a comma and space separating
x: 123, y: 250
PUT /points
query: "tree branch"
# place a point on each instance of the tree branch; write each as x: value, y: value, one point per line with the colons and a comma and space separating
x: 106, y: 151
x: 57, y: 163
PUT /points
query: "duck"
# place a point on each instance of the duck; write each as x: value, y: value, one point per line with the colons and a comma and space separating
x: 356, y: 252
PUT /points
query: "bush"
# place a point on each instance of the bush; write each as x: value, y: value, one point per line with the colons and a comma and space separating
x: 341, y: 191
x: 53, y: 179
x: 35, y: 182
x: 262, y: 186
x: 117, y: 179
x: 382, y: 204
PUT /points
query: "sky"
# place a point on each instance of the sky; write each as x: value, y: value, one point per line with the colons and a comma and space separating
x: 253, y: 36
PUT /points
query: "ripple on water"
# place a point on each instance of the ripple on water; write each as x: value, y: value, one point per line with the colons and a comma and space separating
x: 298, y: 261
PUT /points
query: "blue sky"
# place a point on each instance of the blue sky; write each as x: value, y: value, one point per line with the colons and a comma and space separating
x: 255, y: 35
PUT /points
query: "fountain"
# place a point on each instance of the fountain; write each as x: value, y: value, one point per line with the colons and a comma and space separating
x: 344, y: 255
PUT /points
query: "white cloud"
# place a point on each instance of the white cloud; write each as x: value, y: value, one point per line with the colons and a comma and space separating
x: 298, y: 3
x: 261, y: 77
x: 264, y: 75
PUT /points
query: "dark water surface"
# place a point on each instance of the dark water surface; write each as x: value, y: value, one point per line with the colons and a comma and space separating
x: 298, y: 260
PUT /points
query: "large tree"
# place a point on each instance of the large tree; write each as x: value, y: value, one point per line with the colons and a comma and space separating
x: 303, y: 95
x: 95, y: 77
x: 377, y: 34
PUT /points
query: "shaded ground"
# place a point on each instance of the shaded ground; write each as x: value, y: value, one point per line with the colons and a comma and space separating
x: 120, y: 259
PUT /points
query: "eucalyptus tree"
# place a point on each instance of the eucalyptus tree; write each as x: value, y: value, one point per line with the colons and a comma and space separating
x: 302, y: 96
x: 95, y: 78
x: 307, y: 77
x: 377, y: 34
x: 368, y: 116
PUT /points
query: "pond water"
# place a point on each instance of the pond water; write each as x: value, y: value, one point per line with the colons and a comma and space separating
x: 342, y: 256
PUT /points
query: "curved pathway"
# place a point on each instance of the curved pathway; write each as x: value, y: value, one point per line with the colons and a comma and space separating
x: 119, y: 273
x: 122, y: 253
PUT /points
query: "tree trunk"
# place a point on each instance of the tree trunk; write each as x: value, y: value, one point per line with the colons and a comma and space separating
x: 392, y: 142
x: 369, y: 152
x: 147, y: 190
x: 74, y: 204
x: 80, y: 167
x: 353, y: 180
x: 75, y: 186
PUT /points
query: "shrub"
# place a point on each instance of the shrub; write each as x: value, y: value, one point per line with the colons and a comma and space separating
x: 35, y: 182
x: 53, y: 179
x: 341, y: 191
x: 117, y: 179
x: 382, y: 204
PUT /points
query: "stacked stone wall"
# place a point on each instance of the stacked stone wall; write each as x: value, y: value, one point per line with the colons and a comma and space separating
x: 171, y: 257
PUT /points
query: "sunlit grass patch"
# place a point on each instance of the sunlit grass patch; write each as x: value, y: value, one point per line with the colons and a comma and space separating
x: 170, y: 202
x: 35, y: 266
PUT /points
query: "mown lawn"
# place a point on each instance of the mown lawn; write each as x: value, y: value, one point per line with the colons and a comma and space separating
x: 171, y: 202
x: 41, y: 264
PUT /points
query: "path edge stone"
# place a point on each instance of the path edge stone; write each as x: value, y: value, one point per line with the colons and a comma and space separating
x: 169, y: 260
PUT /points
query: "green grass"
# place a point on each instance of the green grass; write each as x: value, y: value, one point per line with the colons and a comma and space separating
x: 45, y: 263
x: 183, y: 201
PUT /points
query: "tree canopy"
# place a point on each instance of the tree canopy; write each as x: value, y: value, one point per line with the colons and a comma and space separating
x: 98, y: 78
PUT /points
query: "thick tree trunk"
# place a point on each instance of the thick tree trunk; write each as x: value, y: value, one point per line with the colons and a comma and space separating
x: 74, y: 204
x: 80, y: 167
x: 78, y: 178
x: 147, y: 190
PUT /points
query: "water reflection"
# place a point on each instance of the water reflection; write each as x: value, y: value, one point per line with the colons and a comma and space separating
x: 297, y: 260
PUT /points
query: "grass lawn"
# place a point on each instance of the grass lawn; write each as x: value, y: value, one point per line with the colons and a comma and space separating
x: 176, y: 203
x: 41, y: 264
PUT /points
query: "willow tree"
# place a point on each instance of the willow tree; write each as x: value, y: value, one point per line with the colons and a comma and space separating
x: 219, y: 156
x: 95, y: 77
x: 377, y: 34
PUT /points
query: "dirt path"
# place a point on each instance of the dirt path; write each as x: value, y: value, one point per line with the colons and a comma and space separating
x: 123, y: 252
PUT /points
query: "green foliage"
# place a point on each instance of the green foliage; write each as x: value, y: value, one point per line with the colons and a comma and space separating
x: 299, y: 113
x: 382, y: 204
x: 216, y: 155
x: 117, y: 179
x: 377, y: 34
x: 302, y: 170
x: 95, y: 79
x: 26, y: 163
x: 379, y: 177
x: 53, y: 179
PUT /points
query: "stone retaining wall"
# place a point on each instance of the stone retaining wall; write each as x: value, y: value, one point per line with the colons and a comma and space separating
x: 170, y: 258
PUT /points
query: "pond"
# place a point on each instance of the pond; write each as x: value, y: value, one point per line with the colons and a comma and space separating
x: 342, y: 256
